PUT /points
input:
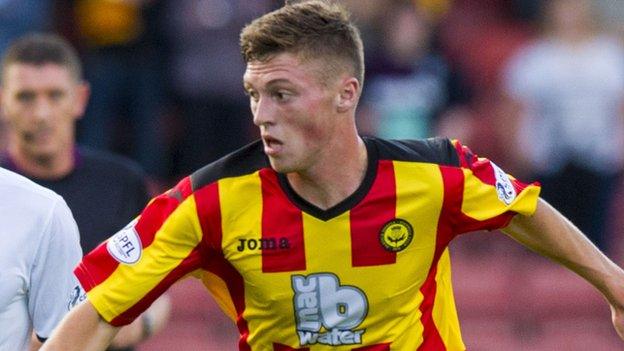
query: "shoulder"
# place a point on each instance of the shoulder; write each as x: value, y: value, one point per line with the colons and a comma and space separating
x: 432, y: 150
x: 107, y: 163
x: 23, y: 192
x: 245, y: 160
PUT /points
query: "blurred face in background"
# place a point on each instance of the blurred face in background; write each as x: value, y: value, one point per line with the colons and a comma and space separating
x: 40, y: 105
x: 407, y: 35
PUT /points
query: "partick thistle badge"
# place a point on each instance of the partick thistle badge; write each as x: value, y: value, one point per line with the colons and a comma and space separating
x: 396, y: 235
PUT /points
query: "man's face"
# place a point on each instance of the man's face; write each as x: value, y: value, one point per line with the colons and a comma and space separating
x: 40, y: 105
x: 296, y: 114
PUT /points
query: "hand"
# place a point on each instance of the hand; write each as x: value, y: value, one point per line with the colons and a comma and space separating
x: 617, y: 316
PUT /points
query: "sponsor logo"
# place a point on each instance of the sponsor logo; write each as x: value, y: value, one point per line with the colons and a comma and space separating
x: 396, y: 235
x: 125, y: 246
x: 504, y: 188
x: 326, y: 312
x: 263, y: 244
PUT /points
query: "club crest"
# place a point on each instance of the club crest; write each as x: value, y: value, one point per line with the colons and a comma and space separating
x: 396, y: 235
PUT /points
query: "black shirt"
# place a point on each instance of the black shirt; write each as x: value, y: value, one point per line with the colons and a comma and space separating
x: 104, y: 193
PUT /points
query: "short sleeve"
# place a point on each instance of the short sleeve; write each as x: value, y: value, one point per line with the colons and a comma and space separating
x: 130, y: 270
x: 51, y: 280
x: 484, y: 197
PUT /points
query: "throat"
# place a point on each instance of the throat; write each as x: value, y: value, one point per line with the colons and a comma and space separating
x: 331, y: 183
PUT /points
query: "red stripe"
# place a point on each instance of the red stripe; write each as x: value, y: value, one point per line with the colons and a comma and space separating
x: 378, y: 347
x: 453, y: 198
x: 482, y: 169
x: 209, y: 214
x: 432, y: 341
x: 189, y: 264
x: 218, y: 265
x: 379, y: 206
x: 280, y: 347
x: 453, y: 180
x: 280, y: 221
x: 466, y: 156
x: 185, y: 187
x: 98, y: 265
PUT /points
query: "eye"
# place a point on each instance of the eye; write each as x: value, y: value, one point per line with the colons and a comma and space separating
x: 25, y: 97
x: 56, y: 95
x: 253, y: 95
x: 281, y: 95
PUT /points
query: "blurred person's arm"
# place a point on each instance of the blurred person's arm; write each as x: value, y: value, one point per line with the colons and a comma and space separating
x: 550, y: 234
x: 35, y: 344
x: 151, y: 322
x: 82, y: 329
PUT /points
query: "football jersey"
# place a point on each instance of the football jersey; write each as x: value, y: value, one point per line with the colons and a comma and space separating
x: 371, y: 273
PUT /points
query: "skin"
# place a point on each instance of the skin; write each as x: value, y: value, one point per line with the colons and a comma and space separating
x: 308, y: 131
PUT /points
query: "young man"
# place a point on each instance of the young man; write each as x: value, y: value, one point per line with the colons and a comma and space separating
x: 39, y: 246
x: 314, y: 237
x: 42, y: 95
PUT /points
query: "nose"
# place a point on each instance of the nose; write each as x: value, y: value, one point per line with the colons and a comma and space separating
x: 262, y: 111
x: 43, y: 110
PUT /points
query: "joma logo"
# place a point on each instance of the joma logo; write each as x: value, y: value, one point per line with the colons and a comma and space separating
x: 263, y: 244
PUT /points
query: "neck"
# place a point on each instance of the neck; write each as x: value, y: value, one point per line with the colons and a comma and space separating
x: 45, y: 167
x: 336, y: 175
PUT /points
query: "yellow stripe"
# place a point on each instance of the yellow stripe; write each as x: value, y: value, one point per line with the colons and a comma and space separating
x: 481, y: 200
x: 219, y: 290
x: 420, y: 192
x: 128, y: 284
x: 444, y: 310
x: 241, y: 218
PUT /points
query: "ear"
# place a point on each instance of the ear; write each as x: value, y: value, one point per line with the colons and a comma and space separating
x: 348, y: 94
x: 83, y: 92
x: 2, y: 114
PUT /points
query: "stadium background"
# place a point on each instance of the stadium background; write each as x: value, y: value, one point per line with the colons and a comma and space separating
x: 166, y: 91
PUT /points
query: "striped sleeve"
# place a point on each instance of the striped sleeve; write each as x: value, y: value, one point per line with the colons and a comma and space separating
x: 129, y: 271
x: 487, y: 197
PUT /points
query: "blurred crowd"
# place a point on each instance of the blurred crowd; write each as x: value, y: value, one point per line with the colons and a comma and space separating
x: 535, y: 85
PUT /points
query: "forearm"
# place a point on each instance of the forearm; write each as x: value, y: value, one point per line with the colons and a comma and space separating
x: 550, y: 234
x: 81, y: 329
x: 148, y: 323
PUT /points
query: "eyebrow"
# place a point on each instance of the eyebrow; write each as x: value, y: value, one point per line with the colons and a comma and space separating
x: 269, y: 85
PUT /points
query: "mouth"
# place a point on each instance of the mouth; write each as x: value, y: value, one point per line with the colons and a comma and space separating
x: 272, y: 146
x: 39, y: 135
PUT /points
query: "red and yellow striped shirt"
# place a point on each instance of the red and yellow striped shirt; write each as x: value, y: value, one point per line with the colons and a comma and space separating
x: 372, y: 273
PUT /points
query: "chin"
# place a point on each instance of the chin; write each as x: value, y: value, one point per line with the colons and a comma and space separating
x: 279, y: 166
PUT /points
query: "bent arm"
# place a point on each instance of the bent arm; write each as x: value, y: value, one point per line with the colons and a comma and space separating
x: 81, y: 329
x: 150, y: 322
x: 550, y: 234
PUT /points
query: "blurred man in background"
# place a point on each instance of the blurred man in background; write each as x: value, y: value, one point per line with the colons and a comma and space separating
x: 42, y: 96
x: 568, y: 86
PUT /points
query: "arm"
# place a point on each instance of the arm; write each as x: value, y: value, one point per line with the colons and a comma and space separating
x: 149, y: 323
x: 550, y: 234
x: 81, y: 329
x: 35, y: 344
